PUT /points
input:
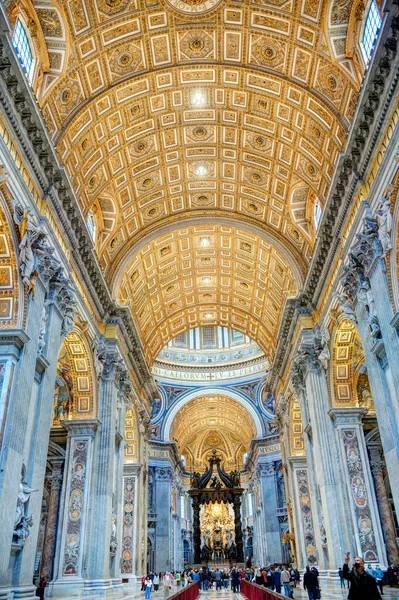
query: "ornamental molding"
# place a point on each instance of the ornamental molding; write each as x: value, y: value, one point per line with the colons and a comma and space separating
x: 194, y: 8
x: 374, y: 105
x: 27, y: 123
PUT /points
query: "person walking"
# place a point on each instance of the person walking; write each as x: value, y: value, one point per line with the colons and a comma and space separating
x: 362, y: 585
x: 258, y: 576
x: 155, y: 581
x: 218, y: 579
x: 311, y: 584
x: 344, y: 583
x: 276, y: 580
x: 269, y: 579
x: 225, y: 578
x: 148, y: 585
x: 235, y: 580
x: 378, y: 575
x: 41, y: 587
x: 205, y: 581
x: 285, y: 580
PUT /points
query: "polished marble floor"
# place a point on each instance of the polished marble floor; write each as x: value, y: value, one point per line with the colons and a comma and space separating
x: 299, y: 594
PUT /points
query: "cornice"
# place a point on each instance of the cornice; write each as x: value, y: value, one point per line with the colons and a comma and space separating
x: 30, y: 130
x: 379, y: 89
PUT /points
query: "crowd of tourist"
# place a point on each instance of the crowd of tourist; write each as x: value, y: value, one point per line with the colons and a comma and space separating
x: 273, y: 577
x: 361, y: 582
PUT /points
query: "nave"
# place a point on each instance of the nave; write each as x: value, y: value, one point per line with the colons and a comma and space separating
x: 199, y: 289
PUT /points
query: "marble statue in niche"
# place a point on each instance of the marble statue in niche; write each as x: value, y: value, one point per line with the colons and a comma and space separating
x: 63, y: 393
x: 23, y: 521
x: 384, y: 219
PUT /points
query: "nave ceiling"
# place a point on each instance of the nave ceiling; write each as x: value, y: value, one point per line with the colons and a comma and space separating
x: 176, y: 283
x: 170, y: 115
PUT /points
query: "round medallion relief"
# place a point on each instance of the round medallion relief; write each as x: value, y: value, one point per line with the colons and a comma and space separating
x: 195, y: 7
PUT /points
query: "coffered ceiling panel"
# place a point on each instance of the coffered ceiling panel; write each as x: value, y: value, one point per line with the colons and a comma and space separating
x: 206, y: 274
x: 172, y: 107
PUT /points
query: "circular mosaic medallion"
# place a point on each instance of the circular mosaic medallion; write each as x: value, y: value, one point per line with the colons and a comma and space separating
x: 194, y: 7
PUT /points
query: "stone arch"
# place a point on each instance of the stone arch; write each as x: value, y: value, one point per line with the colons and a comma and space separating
x: 76, y: 387
x: 122, y: 260
x: 184, y: 398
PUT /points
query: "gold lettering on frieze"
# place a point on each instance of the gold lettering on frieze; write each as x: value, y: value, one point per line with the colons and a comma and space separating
x: 194, y: 6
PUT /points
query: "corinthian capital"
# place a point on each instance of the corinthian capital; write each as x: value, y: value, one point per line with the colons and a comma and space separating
x: 322, y: 346
x: 306, y: 357
x: 107, y: 359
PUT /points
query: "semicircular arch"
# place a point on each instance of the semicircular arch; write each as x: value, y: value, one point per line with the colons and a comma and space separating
x: 210, y: 391
x: 121, y: 261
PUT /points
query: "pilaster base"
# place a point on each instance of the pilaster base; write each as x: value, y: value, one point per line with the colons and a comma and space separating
x: 24, y: 592
x: 65, y: 588
x: 87, y: 588
x: 103, y: 588
x: 329, y: 580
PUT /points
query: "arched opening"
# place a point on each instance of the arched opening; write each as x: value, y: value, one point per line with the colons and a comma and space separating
x: 208, y: 422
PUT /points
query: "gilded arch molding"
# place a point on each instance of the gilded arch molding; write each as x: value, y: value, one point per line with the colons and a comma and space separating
x: 200, y: 393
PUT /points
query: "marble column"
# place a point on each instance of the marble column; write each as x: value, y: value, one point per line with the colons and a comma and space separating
x: 238, y: 527
x: 19, y: 351
x: 50, y: 536
x: 196, y: 529
x: 36, y: 447
x: 105, y: 496
x: 163, y: 529
x: 333, y: 532
x: 367, y: 291
x: 270, y: 524
x: 366, y: 525
x: 377, y: 464
x: 74, y: 522
x: 302, y: 513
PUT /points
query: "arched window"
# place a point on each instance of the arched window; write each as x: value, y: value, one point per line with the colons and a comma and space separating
x: 22, y: 46
x: 370, y: 31
x: 318, y: 213
x: 91, y: 225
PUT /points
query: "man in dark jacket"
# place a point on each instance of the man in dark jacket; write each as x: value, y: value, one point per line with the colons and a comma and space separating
x: 310, y: 583
x: 362, y: 585
x: 235, y: 579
